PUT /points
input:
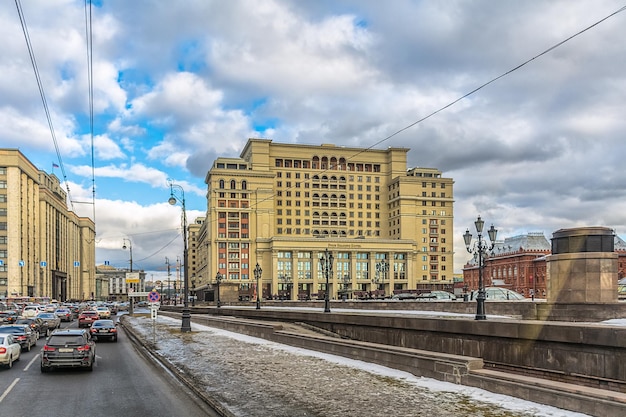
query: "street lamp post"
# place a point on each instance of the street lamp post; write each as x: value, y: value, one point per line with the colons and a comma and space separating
x: 186, y: 316
x: 218, y: 279
x: 382, y: 267
x: 130, y: 248
x: 257, y: 274
x: 480, y: 247
x: 327, y: 267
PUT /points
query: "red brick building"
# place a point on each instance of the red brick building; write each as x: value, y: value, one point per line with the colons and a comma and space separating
x: 519, y: 264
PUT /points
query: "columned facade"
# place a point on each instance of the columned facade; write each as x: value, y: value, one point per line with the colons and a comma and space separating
x: 282, y: 206
x: 46, y: 250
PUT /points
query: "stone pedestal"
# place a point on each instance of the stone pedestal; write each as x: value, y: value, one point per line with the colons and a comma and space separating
x: 583, y: 266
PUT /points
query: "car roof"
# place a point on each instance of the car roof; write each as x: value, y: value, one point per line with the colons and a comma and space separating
x: 76, y: 332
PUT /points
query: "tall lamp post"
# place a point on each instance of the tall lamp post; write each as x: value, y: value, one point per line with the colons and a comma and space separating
x: 327, y: 267
x: 480, y: 247
x: 218, y: 279
x: 186, y: 316
x: 130, y: 248
x: 257, y: 274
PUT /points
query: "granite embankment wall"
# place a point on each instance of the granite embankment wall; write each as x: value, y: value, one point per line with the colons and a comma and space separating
x: 584, y: 353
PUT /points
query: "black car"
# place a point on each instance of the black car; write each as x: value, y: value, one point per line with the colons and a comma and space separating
x: 103, y: 329
x: 21, y: 334
x: 36, y: 324
x: 68, y: 348
x: 8, y: 317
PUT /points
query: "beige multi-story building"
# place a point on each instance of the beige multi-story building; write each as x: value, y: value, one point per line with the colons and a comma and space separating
x: 283, y: 206
x: 46, y: 250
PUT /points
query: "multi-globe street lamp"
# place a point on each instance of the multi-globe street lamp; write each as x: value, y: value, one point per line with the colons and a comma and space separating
x: 480, y: 247
x: 186, y: 316
x: 382, y: 268
x: 257, y: 274
x: 218, y: 279
x: 327, y: 267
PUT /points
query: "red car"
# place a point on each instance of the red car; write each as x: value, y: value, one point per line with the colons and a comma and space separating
x: 87, y: 317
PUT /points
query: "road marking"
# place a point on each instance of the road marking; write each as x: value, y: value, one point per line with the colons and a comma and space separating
x: 31, y: 362
x: 6, y: 392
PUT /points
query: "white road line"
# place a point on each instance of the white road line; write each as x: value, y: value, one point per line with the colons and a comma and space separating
x: 31, y: 362
x: 6, y: 392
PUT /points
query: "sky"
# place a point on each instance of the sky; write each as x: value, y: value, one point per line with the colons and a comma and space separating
x: 178, y: 84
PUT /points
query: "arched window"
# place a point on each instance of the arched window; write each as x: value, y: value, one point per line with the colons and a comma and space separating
x: 244, y: 185
x: 222, y: 184
x: 233, y: 184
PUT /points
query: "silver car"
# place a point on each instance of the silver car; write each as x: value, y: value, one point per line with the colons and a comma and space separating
x: 54, y: 322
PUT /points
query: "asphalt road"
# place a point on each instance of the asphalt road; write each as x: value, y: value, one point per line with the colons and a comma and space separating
x: 122, y: 383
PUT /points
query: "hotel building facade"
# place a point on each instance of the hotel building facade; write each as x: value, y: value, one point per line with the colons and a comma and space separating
x: 46, y: 250
x: 283, y: 206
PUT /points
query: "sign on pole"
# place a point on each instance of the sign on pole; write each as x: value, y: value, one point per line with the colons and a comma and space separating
x: 154, y: 296
x: 43, y: 264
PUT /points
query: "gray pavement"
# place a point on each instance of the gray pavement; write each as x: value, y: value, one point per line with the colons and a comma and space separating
x: 264, y: 379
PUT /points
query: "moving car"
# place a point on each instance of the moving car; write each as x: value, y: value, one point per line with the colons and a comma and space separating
x: 31, y: 310
x: 68, y: 348
x: 8, y: 317
x: 101, y: 329
x: 103, y: 312
x: 22, y: 335
x: 87, y: 317
x: 10, y: 350
x: 54, y: 322
x: 64, y: 314
x: 36, y: 324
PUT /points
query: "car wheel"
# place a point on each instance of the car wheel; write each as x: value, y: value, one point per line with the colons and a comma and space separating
x: 44, y: 369
x: 115, y: 339
x: 10, y: 363
x: 90, y: 367
x: 35, y: 342
x: 28, y: 347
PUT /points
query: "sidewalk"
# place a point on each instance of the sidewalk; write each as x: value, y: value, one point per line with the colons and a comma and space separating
x: 253, y: 377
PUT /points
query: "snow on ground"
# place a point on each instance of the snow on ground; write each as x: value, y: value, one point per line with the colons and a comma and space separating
x: 255, y: 377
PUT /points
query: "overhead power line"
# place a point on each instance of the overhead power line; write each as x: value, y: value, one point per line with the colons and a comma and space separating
x: 42, y: 95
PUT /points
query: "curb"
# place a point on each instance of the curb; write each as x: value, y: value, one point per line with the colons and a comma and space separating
x: 147, y: 351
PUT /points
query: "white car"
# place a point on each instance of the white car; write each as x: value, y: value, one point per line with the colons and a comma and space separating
x: 31, y: 311
x: 10, y: 350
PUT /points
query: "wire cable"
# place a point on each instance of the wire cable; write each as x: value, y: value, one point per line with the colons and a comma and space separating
x: 43, y: 96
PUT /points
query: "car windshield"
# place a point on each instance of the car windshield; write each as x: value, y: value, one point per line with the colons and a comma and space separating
x: 46, y: 315
x: 65, y: 340
x: 1, y: 340
x: 103, y: 323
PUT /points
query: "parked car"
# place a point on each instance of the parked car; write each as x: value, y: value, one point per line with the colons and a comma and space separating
x: 22, y: 334
x: 64, y: 314
x: 68, y: 348
x: 87, y: 317
x: 53, y: 321
x: 8, y: 317
x: 36, y: 324
x: 103, y: 312
x: 10, y: 350
x: 103, y: 329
